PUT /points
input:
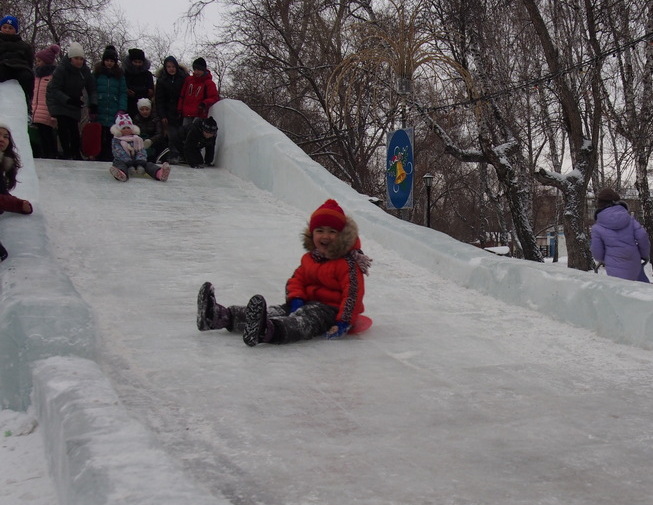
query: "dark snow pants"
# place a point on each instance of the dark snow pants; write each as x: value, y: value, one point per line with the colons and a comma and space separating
x: 311, y: 320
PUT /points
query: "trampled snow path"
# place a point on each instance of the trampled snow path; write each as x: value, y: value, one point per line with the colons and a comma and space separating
x: 451, y: 398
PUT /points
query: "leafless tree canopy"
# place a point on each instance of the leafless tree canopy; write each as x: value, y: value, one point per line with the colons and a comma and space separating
x: 521, y: 110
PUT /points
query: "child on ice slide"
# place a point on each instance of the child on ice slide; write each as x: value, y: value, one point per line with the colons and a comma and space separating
x: 324, y: 296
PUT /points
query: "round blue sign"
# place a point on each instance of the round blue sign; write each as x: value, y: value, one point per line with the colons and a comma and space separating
x: 399, y: 169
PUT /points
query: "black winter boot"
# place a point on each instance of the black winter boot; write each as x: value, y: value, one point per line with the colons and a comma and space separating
x: 210, y: 314
x: 258, y: 328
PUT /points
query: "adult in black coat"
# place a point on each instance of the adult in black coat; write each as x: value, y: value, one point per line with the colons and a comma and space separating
x: 169, y: 81
x: 140, y: 81
x: 16, y: 58
x: 64, y: 98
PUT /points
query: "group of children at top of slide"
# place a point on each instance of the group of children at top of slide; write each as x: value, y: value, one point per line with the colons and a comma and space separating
x: 53, y: 95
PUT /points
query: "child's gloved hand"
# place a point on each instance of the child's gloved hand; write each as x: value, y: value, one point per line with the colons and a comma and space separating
x: 147, y: 143
x: 296, y: 303
x: 338, y: 330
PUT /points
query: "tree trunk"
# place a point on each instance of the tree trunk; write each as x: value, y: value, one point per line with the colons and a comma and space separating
x: 573, y: 216
x: 582, y: 146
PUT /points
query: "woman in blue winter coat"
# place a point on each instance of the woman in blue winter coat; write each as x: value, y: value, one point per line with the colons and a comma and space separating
x: 618, y: 241
x: 111, y: 96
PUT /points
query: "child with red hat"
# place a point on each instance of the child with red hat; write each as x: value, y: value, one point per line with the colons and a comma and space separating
x: 324, y: 296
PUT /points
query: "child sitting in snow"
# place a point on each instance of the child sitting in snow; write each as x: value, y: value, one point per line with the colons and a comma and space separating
x: 197, y: 137
x: 324, y: 296
x: 9, y: 166
x: 129, y: 151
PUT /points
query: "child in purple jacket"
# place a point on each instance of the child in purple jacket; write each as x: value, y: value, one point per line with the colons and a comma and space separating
x: 618, y: 241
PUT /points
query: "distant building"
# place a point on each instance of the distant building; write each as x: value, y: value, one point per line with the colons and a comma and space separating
x: 547, y: 242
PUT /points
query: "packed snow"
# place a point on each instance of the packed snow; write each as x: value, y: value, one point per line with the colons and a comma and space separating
x: 483, y: 380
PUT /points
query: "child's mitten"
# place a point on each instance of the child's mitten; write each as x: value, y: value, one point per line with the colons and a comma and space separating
x: 295, y: 303
x: 338, y: 330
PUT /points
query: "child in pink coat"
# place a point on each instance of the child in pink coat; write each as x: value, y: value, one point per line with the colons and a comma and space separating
x: 44, y: 122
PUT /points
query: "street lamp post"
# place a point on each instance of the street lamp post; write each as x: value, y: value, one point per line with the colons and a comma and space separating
x: 428, y: 182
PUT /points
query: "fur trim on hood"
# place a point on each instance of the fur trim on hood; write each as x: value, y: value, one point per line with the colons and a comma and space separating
x: 182, y: 71
x: 117, y: 132
x: 346, y: 244
x: 346, y: 241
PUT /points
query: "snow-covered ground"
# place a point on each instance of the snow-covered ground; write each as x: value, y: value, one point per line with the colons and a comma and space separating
x: 453, y: 397
x: 23, y: 468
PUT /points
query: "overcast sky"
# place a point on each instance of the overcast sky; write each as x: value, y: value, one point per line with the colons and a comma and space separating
x: 167, y: 17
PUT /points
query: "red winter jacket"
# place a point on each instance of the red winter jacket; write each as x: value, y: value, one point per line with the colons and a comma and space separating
x: 197, y: 96
x: 337, y: 281
x: 11, y: 203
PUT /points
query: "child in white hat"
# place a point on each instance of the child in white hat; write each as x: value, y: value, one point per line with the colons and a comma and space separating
x: 151, y: 128
x: 129, y: 152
